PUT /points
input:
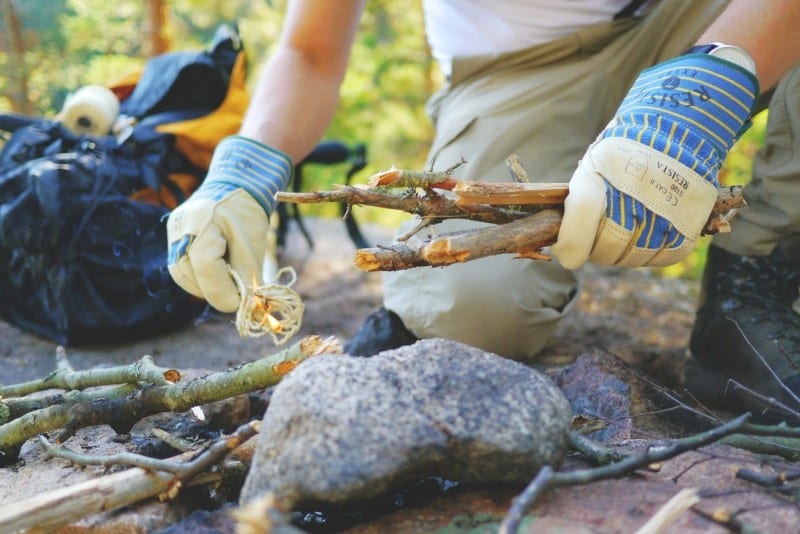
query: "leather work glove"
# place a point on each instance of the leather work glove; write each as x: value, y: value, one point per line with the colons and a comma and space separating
x: 645, y: 188
x: 226, y: 221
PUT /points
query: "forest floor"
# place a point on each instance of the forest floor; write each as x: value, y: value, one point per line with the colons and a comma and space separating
x: 642, y: 318
x: 633, y: 314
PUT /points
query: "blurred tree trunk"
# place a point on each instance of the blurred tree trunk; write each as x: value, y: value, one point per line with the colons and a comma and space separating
x: 17, y: 70
x: 155, y: 28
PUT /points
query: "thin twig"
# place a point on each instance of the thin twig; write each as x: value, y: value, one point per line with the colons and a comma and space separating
x: 184, y: 470
x: 549, y: 480
x: 64, y: 377
x: 667, y: 514
x: 518, y: 172
x: 542, y: 482
x: 768, y: 404
x: 421, y: 225
x: 123, y: 412
x: 767, y: 366
x: 764, y: 480
x: 177, y: 443
x: 110, y: 492
x: 594, y: 451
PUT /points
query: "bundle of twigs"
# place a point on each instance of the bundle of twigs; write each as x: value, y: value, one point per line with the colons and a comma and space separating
x: 525, y: 217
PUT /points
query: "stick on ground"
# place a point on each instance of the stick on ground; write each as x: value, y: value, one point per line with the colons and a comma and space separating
x: 121, y: 413
x: 110, y: 492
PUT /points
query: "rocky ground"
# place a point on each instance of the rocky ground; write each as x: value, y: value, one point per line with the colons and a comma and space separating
x: 634, y: 315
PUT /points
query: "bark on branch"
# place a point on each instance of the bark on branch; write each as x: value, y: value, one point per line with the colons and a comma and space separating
x: 434, y: 206
x: 65, y: 377
x: 153, y: 477
x: 435, y: 196
x: 123, y: 412
x: 524, y: 237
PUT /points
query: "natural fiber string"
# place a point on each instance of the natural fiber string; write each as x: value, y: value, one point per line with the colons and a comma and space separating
x: 273, y: 309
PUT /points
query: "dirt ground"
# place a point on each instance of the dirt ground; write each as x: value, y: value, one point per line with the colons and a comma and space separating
x: 632, y: 313
x: 337, y: 297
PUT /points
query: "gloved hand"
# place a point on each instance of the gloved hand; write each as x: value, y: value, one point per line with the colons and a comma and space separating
x: 645, y: 188
x: 225, y: 222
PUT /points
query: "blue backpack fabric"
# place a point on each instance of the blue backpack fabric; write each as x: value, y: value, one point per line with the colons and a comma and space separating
x: 81, y: 260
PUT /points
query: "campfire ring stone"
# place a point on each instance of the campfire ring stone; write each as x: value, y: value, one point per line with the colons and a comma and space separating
x: 341, y: 428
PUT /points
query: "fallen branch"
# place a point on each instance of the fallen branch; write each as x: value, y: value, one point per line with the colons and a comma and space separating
x: 155, y: 477
x: 548, y: 479
x: 65, y: 377
x: 121, y: 413
x: 17, y: 407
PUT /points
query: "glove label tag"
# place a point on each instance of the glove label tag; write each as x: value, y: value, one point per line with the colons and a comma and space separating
x: 663, y: 185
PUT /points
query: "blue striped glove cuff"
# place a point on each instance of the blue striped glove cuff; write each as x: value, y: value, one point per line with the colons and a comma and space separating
x: 241, y: 162
x: 692, y: 108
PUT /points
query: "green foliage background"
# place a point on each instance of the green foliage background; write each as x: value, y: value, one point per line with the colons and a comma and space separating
x: 70, y: 43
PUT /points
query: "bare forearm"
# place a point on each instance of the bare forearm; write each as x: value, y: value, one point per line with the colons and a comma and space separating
x: 298, y: 91
x: 292, y: 105
x: 766, y: 29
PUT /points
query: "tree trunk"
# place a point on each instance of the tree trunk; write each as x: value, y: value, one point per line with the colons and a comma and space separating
x: 17, y: 70
x: 155, y: 26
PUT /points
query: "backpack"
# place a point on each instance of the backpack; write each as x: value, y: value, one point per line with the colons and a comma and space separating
x: 83, y: 218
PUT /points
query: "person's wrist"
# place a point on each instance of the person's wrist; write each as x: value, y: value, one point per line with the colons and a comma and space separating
x: 259, y: 169
x: 736, y: 55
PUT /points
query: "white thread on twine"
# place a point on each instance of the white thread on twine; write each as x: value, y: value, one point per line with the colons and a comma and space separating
x: 273, y: 309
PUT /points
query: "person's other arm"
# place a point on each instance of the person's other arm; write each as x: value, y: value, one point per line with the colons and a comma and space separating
x: 298, y: 89
x: 643, y: 191
x: 224, y: 225
x: 767, y: 30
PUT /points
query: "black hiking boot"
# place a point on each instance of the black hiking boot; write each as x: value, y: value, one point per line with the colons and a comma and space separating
x: 747, y: 330
x: 382, y: 330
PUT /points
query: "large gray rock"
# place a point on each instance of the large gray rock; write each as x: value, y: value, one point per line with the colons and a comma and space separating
x: 342, y: 428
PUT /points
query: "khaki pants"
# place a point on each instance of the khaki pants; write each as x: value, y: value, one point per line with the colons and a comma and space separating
x: 545, y: 104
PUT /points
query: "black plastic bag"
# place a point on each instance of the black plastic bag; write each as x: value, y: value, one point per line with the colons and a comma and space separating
x: 81, y: 260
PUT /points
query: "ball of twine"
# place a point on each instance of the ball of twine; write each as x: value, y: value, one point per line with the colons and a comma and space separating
x: 273, y: 309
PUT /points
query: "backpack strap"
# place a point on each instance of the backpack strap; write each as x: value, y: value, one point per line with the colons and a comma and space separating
x: 629, y: 9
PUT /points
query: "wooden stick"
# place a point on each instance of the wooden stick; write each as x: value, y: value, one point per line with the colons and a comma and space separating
x: 114, y: 491
x: 433, y: 206
x: 68, y: 504
x: 510, y: 194
x: 524, y: 237
x: 65, y: 377
x: 507, y: 205
x: 121, y: 413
